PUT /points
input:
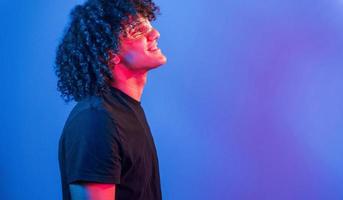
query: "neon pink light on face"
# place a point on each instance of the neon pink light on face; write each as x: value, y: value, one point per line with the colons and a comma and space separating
x: 137, y: 29
x: 138, y: 49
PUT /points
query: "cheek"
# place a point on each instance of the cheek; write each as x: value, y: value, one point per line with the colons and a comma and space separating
x: 130, y: 57
x: 134, y: 52
x: 134, y: 58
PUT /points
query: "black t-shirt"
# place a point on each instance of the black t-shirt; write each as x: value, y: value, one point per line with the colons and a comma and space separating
x: 108, y: 140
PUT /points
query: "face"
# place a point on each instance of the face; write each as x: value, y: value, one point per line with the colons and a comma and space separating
x: 138, y: 48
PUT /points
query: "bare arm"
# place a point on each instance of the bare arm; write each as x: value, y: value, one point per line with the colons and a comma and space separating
x: 92, y: 191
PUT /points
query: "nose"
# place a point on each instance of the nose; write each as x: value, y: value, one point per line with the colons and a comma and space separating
x: 154, y: 34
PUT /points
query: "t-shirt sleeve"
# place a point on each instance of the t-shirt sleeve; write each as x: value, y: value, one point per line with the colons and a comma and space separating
x: 92, y: 150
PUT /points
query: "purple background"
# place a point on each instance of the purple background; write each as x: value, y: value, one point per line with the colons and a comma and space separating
x: 248, y: 107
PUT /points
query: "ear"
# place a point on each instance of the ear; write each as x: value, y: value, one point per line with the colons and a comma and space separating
x: 114, y: 58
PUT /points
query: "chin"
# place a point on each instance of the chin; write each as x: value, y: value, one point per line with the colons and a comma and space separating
x: 155, y: 66
x: 158, y: 61
x: 154, y: 60
x: 163, y: 60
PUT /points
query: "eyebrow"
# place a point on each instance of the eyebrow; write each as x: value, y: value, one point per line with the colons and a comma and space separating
x: 142, y: 25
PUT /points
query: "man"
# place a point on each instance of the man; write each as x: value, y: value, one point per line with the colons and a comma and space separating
x: 106, y: 150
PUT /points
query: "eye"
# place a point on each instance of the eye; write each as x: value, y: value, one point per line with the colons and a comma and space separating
x: 139, y: 31
x: 142, y: 30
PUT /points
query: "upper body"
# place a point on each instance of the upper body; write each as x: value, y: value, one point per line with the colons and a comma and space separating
x: 108, y: 141
x: 102, y: 63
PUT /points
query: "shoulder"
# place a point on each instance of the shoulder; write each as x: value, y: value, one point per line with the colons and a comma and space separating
x: 87, y: 109
x: 89, y: 116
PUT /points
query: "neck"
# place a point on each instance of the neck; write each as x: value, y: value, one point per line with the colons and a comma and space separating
x: 130, y: 82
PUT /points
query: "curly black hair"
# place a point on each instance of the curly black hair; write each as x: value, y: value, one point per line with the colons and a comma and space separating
x: 82, y: 56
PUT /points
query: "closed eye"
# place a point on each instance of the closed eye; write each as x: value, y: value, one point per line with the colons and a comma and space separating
x: 140, y: 31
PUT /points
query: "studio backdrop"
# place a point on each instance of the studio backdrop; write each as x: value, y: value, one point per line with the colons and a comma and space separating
x: 248, y: 107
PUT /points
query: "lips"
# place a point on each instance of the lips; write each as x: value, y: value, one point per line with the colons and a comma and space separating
x: 153, y: 47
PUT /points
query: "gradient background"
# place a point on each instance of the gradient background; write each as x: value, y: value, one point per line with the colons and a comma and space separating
x: 248, y: 107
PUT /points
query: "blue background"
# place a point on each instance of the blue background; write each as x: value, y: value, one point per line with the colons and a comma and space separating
x: 248, y: 107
